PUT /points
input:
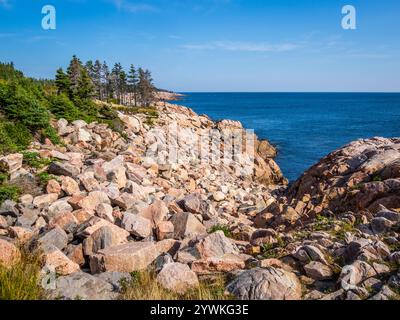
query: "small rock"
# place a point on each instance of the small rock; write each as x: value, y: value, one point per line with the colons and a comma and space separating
x: 186, y: 225
x: 28, y: 217
x: 64, y: 169
x: 93, y: 200
x: 380, y: 225
x: 318, y: 271
x: 55, y: 237
x: 192, y: 203
x: 156, y: 212
x: 102, y: 238
x: 53, y: 187
x: 105, y: 211
x: 21, y: 234
x: 11, y: 163
x: 178, y: 278
x: 84, y: 286
x: 137, y: 225
x: 45, y: 200
x: 69, y: 186
x: 9, y: 208
x: 75, y: 253
x: 165, y: 230
x: 218, y: 196
x: 9, y: 254
x: 62, y: 265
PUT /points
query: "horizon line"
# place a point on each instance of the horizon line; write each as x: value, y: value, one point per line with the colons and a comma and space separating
x: 388, y: 92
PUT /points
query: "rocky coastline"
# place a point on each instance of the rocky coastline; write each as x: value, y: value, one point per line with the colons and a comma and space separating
x: 111, y: 205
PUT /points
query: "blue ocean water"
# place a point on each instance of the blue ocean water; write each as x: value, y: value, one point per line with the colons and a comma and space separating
x: 304, y: 126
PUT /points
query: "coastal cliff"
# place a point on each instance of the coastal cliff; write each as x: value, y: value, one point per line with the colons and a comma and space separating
x: 104, y: 204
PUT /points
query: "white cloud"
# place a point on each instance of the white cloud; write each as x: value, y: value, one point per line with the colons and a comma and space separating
x: 244, y: 46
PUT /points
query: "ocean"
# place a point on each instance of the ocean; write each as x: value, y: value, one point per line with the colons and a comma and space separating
x: 304, y: 126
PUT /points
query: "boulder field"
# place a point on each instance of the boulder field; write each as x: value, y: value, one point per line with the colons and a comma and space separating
x: 113, y: 204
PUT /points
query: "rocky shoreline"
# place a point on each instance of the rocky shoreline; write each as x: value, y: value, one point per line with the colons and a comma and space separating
x: 108, y: 209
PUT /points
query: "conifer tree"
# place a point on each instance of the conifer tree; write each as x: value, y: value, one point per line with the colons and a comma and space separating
x: 133, y: 82
x: 62, y: 82
x: 145, y: 88
x: 74, y: 73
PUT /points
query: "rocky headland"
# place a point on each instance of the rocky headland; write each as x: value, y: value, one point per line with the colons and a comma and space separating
x: 99, y: 207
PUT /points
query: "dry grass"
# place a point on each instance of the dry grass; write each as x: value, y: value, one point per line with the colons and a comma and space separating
x: 144, y: 286
x: 21, y: 282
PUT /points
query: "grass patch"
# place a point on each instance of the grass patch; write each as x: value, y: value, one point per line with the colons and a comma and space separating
x: 14, y: 136
x: 9, y: 193
x: 357, y: 186
x: 51, y: 134
x: 223, y: 228
x: 45, y: 177
x: 34, y: 160
x: 21, y: 282
x: 144, y: 286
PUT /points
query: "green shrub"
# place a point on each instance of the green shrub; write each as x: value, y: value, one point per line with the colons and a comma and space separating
x: 34, y: 160
x: 62, y: 107
x: 51, y: 133
x: 23, y: 106
x: 13, y: 136
x: 45, y: 177
x: 3, y: 178
x: 223, y: 228
x: 9, y: 193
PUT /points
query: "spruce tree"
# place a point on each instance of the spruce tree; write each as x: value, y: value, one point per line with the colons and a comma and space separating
x: 116, y: 76
x: 145, y: 88
x: 106, y: 81
x: 74, y: 73
x: 133, y: 82
x: 62, y: 82
x: 86, y: 88
x: 97, y: 79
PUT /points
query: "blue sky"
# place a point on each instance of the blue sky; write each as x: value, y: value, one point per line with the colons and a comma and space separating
x: 214, y: 45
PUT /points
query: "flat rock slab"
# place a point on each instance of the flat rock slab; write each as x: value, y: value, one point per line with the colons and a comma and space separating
x: 128, y: 257
x: 266, y: 284
x: 82, y: 286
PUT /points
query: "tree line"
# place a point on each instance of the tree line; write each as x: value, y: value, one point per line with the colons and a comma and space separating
x: 95, y: 80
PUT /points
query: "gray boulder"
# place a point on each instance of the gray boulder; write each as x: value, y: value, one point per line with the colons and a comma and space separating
x: 266, y: 284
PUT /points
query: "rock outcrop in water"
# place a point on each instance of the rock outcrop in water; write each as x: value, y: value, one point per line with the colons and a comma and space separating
x: 112, y: 205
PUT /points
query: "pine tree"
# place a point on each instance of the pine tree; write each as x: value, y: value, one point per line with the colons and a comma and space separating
x: 133, y: 82
x: 86, y: 87
x: 62, y: 82
x: 106, y: 81
x: 74, y: 73
x: 145, y: 88
x: 97, y: 79
x: 123, y: 85
x: 116, y: 79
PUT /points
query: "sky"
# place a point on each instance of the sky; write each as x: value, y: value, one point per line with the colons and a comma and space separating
x: 214, y: 45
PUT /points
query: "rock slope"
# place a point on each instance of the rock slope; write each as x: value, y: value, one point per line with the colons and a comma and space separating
x: 112, y: 205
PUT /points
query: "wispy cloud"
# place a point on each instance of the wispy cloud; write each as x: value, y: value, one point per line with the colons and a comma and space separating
x: 133, y: 7
x: 7, y: 35
x: 244, y: 46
